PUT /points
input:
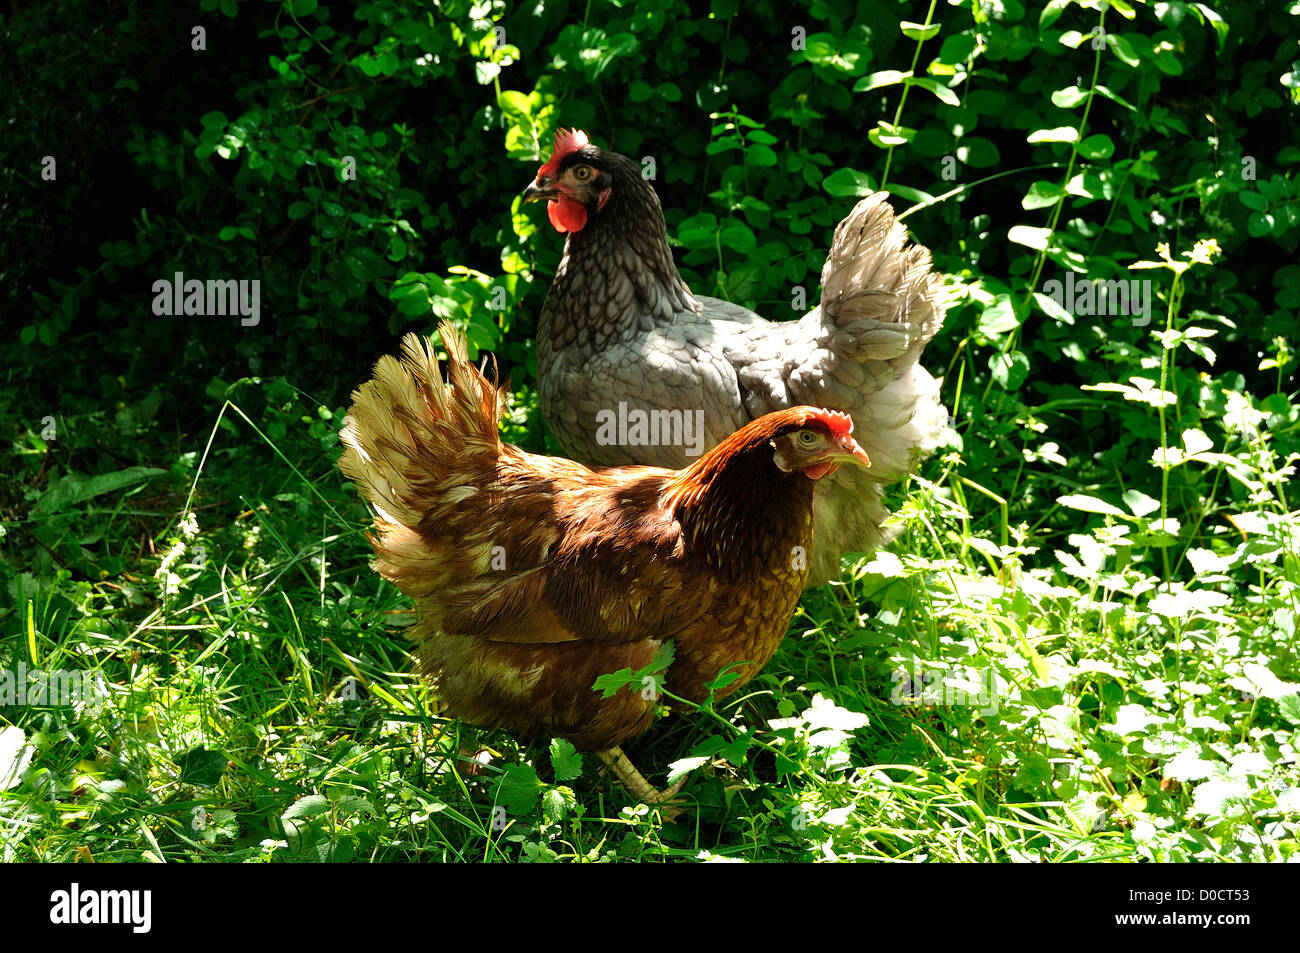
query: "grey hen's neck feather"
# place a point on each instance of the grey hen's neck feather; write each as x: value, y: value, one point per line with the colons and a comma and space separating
x: 617, y: 274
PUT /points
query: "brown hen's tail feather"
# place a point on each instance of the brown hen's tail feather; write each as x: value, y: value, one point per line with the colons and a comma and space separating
x: 414, y: 440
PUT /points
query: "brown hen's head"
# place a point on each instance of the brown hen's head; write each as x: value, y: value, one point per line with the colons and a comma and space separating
x: 746, y: 502
x: 815, y: 442
x: 578, y: 180
x: 807, y: 440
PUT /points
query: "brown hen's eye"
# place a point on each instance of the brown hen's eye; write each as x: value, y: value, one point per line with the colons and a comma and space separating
x: 807, y: 438
x: 582, y: 173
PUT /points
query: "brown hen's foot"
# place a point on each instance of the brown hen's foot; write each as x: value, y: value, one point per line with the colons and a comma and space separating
x: 631, y: 778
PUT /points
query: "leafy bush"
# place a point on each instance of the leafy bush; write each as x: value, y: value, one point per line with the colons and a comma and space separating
x: 1108, y: 541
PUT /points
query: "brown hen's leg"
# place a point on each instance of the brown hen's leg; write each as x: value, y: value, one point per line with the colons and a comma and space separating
x: 631, y: 778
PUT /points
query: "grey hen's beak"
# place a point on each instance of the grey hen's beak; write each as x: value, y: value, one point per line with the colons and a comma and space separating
x: 538, y: 189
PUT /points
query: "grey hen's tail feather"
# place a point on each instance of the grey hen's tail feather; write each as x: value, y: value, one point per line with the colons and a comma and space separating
x: 875, y: 282
x: 880, y: 305
x: 415, y: 442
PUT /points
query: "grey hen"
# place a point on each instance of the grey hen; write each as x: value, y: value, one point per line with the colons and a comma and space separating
x: 634, y: 368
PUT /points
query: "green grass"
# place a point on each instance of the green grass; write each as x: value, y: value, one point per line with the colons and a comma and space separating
x: 982, y: 692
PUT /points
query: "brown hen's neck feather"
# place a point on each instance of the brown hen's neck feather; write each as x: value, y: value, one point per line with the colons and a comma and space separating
x: 739, y: 513
x: 616, y: 270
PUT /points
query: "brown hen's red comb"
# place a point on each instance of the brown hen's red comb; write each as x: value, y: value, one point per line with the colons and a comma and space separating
x: 566, y: 141
x: 841, y: 424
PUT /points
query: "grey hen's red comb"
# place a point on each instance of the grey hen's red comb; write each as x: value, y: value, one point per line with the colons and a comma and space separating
x: 566, y: 141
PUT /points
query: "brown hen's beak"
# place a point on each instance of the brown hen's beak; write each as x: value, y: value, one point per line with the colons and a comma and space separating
x: 850, y: 452
x: 538, y: 190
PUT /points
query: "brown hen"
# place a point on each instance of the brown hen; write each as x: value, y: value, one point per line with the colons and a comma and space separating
x: 534, y: 575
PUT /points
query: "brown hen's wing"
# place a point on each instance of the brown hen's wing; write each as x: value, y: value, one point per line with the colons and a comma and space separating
x: 590, y: 557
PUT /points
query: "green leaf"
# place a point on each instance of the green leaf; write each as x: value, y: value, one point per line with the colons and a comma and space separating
x: 977, y: 152
x: 305, y: 808
x: 202, y: 767
x: 1259, y: 224
x: 1051, y: 13
x: 1052, y: 308
x: 1030, y: 237
x: 940, y: 90
x: 1140, y: 504
x: 302, y: 8
x: 1042, y: 195
x: 1168, y: 63
x: 76, y: 488
x: 1124, y: 49
x: 887, y: 77
x: 1009, y: 370
x: 412, y: 299
x: 635, y: 681
x: 1069, y: 97
x: 519, y: 789
x: 1114, y: 97
x: 682, y: 767
x: 698, y: 231
x: 15, y: 756
x: 565, y: 759
x: 736, y: 749
x: 919, y: 31
x: 1059, y: 134
x: 887, y: 134
x: 824, y: 715
x: 848, y: 182
x: 613, y: 682
x: 1217, y: 22
x: 554, y: 805
x: 1133, y: 720
x: 1096, y: 147
x: 1090, y: 504
x: 1288, y: 707
x: 760, y: 156
x: 999, y: 317
x: 957, y: 48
